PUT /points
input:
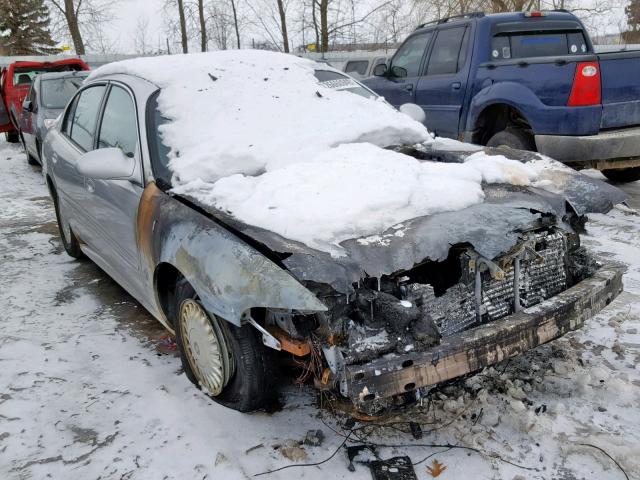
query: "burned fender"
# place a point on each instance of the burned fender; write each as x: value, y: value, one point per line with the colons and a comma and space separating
x: 228, y: 275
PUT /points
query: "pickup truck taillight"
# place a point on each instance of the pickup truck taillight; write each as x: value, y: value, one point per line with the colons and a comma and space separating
x: 586, y: 85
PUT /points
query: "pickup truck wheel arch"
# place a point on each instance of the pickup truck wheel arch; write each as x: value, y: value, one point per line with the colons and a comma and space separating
x: 496, y: 118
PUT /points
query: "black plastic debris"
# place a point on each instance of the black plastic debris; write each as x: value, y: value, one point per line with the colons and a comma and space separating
x: 213, y: 78
x: 396, y: 468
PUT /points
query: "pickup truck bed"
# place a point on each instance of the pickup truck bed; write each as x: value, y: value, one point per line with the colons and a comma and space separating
x: 525, y: 80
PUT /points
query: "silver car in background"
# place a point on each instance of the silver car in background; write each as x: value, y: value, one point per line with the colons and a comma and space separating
x: 49, y: 94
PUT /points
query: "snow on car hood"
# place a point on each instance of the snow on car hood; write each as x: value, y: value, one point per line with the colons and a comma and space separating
x: 254, y: 134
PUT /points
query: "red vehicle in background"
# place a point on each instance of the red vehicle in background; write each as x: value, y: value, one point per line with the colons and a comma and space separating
x: 15, y: 82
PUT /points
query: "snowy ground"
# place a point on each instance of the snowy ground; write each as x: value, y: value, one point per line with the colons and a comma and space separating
x: 86, y: 394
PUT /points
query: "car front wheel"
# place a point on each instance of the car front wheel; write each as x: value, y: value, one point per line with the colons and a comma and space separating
x: 31, y: 160
x: 228, y: 363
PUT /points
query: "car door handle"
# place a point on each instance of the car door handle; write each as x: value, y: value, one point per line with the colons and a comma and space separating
x: 408, y: 87
x: 456, y: 86
x: 54, y: 158
x: 91, y: 186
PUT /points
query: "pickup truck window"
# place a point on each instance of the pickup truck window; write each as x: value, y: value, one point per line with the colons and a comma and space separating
x: 409, y: 55
x: 83, y: 123
x: 447, y: 55
x: 537, y: 44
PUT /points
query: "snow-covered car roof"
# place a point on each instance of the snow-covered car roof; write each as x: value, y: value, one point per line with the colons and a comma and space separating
x: 256, y: 134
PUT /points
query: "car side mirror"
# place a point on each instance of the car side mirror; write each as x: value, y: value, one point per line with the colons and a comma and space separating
x: 398, y: 72
x: 380, y: 70
x: 106, y: 164
x: 27, y: 106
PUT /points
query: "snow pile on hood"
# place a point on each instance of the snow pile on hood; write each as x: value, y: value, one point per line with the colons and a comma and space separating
x: 255, y: 134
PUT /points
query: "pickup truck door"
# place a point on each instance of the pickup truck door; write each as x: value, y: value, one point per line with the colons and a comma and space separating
x: 5, y: 120
x: 398, y: 90
x: 441, y: 91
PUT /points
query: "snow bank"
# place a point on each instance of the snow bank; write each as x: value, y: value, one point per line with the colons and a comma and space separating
x: 254, y: 133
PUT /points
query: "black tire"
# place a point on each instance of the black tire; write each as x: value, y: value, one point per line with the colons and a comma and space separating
x: 31, y: 160
x: 514, y: 138
x: 71, y: 244
x: 12, y: 136
x: 623, y: 175
x: 253, y: 384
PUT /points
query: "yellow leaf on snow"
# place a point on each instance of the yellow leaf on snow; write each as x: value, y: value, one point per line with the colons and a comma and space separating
x: 436, y: 468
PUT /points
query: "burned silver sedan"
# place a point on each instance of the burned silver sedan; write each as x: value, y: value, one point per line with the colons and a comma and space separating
x: 260, y: 205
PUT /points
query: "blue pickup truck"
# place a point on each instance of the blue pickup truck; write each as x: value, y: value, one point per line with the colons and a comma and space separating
x: 527, y: 80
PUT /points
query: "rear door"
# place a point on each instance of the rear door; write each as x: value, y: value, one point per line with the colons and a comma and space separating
x: 620, y: 77
x: 441, y: 91
x: 28, y: 119
x: 399, y: 88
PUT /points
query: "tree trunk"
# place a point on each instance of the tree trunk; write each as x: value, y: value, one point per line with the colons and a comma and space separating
x: 315, y: 24
x: 74, y: 30
x: 235, y: 21
x: 283, y: 26
x: 203, y: 26
x: 324, y: 25
x: 183, y: 27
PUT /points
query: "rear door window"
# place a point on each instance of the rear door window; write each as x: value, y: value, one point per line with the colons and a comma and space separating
x: 537, y: 44
x: 446, y: 51
x: 85, y: 117
x: 409, y: 55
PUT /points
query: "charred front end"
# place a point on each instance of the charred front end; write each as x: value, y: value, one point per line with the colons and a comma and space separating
x: 393, y: 336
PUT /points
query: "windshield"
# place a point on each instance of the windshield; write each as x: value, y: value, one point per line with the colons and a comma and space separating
x: 57, y: 92
x: 338, y: 81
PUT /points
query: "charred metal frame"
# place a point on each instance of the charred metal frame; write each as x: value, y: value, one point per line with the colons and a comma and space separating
x: 487, y: 344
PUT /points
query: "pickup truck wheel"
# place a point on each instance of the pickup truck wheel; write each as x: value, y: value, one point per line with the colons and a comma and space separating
x: 12, y: 137
x: 69, y: 240
x: 228, y: 363
x: 622, y: 175
x: 514, y: 138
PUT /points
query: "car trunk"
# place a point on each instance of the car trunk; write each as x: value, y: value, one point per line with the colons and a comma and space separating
x: 620, y: 73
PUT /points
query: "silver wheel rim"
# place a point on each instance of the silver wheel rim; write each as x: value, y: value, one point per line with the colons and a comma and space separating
x: 205, y: 347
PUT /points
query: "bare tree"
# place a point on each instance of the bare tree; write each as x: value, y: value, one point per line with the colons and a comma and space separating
x: 235, y: 22
x: 283, y: 25
x: 183, y: 27
x: 203, y: 26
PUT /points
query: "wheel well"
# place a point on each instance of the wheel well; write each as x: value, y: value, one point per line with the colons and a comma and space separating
x: 166, y: 279
x: 494, y: 119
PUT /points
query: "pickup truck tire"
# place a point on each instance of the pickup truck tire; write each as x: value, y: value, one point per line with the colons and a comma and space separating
x: 514, y: 138
x: 622, y: 175
x: 69, y: 240
x: 12, y: 137
x: 249, y: 381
